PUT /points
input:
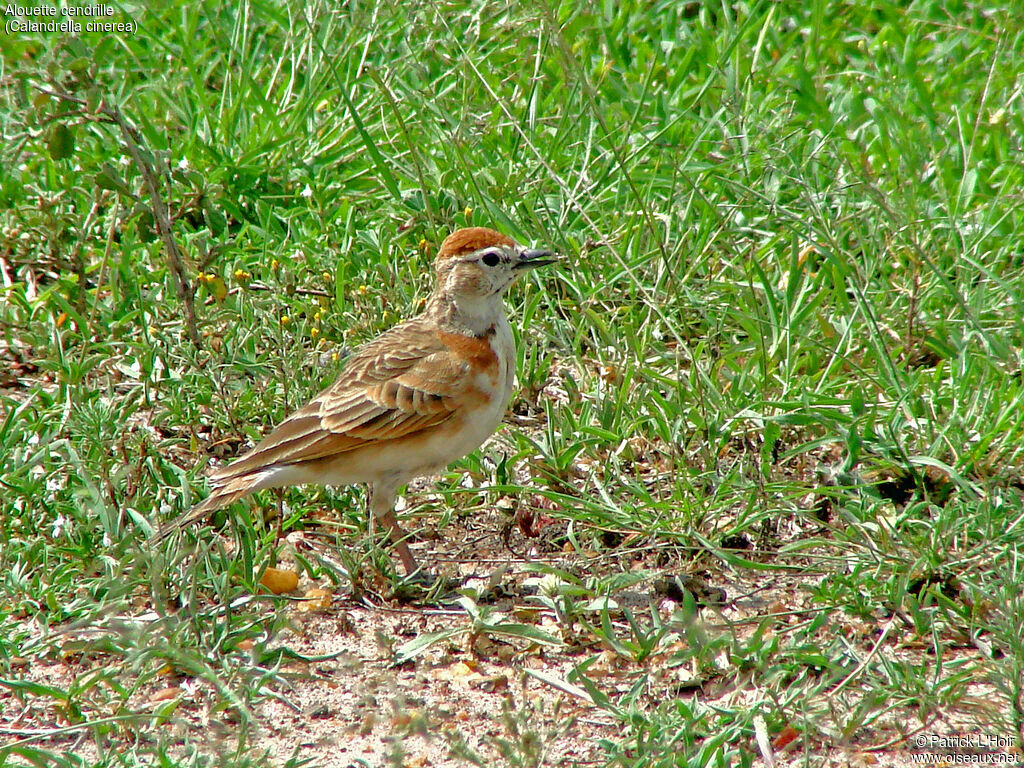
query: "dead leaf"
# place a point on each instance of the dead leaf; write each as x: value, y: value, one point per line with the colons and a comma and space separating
x: 788, y: 734
x: 316, y: 599
x: 491, y: 684
x: 280, y: 580
x: 165, y: 694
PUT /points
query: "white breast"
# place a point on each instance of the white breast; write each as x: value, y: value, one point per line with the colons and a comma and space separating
x: 481, y: 424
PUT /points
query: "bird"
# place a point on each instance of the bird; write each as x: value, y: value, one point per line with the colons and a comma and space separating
x: 406, y: 404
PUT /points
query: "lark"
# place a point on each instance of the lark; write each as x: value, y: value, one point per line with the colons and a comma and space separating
x: 409, y: 402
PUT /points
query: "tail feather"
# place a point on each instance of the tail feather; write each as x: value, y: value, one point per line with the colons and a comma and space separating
x: 220, y: 497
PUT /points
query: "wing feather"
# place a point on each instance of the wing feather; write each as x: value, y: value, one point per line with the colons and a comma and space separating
x: 405, y: 381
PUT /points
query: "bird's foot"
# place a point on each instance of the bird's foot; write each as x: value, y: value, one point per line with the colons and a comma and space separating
x: 424, y: 587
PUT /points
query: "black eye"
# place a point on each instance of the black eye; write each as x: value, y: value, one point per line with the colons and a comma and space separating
x: 490, y: 259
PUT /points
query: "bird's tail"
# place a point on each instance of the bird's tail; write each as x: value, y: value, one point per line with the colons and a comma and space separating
x: 222, y: 496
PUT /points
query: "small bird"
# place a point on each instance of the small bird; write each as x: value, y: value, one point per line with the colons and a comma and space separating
x: 407, y: 403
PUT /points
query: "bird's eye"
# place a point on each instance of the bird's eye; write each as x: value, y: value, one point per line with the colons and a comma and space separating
x: 490, y: 259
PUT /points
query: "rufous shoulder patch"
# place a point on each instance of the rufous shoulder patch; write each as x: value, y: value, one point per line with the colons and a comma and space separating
x: 478, y: 352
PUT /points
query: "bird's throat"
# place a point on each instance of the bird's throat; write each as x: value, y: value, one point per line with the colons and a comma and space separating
x: 472, y: 315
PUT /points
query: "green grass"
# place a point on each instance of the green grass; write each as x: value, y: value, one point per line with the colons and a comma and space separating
x: 790, y: 321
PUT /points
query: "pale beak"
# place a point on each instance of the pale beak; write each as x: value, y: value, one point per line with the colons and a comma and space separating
x: 535, y: 257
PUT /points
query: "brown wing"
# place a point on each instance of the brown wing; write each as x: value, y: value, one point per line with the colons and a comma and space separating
x: 402, y: 382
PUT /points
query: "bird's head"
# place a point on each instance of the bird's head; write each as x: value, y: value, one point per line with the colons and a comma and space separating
x: 476, y: 263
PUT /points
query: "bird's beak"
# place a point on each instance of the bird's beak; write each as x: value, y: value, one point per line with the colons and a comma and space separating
x: 535, y: 257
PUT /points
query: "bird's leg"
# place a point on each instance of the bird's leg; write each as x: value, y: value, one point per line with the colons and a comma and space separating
x: 280, y: 512
x: 382, y: 507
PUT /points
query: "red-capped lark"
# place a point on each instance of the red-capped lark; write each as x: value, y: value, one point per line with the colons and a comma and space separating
x: 407, y: 403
